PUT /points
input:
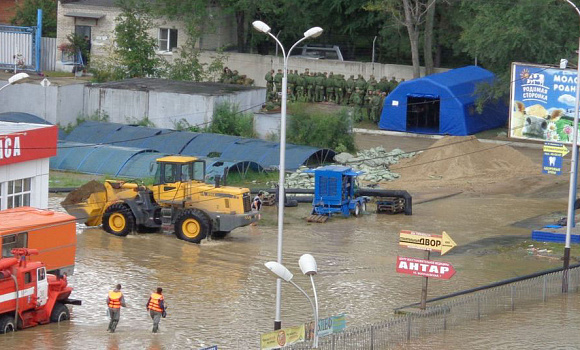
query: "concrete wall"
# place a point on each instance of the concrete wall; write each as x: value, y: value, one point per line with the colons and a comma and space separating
x: 256, y: 66
x: 55, y: 104
x: 165, y: 109
x: 267, y: 124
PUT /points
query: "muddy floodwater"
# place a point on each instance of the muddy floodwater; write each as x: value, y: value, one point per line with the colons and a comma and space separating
x: 220, y: 293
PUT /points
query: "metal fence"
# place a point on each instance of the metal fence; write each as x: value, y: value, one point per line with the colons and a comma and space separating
x: 452, y: 311
x: 48, y: 54
x: 17, y: 47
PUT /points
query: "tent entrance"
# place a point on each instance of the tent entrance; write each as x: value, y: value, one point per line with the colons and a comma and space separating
x: 423, y: 114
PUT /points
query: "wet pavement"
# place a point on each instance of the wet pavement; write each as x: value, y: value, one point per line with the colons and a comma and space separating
x: 220, y: 293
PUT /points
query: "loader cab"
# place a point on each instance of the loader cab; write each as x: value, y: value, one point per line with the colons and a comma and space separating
x: 172, y: 172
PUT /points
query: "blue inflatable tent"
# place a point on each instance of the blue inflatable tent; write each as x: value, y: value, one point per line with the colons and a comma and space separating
x: 442, y: 103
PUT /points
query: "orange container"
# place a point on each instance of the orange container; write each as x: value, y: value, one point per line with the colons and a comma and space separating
x: 52, y: 233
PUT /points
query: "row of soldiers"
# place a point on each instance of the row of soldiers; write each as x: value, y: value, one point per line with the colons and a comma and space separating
x: 366, y: 97
x: 233, y: 77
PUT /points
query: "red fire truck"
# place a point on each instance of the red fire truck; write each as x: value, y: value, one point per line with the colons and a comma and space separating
x: 28, y: 295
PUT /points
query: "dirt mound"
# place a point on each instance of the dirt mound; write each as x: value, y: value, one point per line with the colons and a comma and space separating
x: 456, y: 157
x: 84, y: 192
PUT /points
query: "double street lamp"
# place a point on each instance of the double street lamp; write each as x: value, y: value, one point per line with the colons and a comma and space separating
x: 308, y: 267
x: 14, y: 79
x: 310, y: 33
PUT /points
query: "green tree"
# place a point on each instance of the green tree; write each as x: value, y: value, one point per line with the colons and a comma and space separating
x: 135, y: 47
x: 26, y: 14
x: 499, y: 33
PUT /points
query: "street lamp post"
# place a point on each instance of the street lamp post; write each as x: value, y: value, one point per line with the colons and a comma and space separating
x: 310, y: 33
x: 573, y: 174
x: 14, y: 79
x: 309, y: 268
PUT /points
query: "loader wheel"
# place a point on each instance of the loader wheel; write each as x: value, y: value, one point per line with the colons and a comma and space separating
x: 59, y: 313
x: 363, y: 207
x: 118, y: 220
x: 7, y: 324
x: 192, y: 226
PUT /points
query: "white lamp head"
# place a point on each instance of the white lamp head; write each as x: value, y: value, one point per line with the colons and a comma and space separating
x: 563, y: 63
x: 279, y: 270
x: 17, y: 77
x: 261, y: 26
x: 313, y: 32
x: 308, y: 264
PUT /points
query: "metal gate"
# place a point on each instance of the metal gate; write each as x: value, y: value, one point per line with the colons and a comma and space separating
x: 20, y: 46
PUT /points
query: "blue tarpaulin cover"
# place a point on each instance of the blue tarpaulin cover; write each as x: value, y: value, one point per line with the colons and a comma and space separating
x: 455, y: 90
x: 225, y: 148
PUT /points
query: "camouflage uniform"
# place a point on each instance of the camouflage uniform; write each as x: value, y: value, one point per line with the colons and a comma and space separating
x: 393, y: 84
x: 339, y: 86
x: 292, y: 85
x: 375, y: 106
x: 319, y: 87
x: 278, y: 81
x: 357, y: 101
x: 300, y: 82
x: 310, y: 82
x: 329, y: 84
x: 350, y: 85
x: 269, y: 81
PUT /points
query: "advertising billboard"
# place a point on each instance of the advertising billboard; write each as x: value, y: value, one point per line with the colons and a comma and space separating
x: 542, y: 103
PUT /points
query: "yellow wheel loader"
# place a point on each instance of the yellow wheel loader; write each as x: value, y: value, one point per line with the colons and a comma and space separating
x: 179, y: 201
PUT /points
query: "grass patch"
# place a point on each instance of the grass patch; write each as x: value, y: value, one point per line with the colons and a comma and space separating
x: 252, y: 179
x: 67, y: 179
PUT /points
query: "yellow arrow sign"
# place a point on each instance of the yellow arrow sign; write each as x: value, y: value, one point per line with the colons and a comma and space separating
x: 561, y: 149
x: 425, y: 241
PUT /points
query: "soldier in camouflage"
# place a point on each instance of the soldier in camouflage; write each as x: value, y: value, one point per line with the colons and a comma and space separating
x: 350, y: 86
x: 329, y: 85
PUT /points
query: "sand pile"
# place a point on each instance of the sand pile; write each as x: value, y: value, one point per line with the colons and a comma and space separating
x: 456, y: 157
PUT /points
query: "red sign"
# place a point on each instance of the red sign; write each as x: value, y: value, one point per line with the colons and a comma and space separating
x: 28, y: 145
x: 425, y: 268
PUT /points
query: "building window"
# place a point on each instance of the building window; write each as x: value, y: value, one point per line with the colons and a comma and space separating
x: 10, y: 242
x: 167, y: 39
x: 18, y: 194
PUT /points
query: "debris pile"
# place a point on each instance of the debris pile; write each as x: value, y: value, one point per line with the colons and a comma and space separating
x: 300, y: 179
x: 374, y: 162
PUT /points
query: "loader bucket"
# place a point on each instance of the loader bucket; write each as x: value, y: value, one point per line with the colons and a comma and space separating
x: 87, y: 203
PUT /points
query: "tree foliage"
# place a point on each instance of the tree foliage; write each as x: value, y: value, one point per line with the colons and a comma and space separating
x: 135, y: 47
x: 26, y: 15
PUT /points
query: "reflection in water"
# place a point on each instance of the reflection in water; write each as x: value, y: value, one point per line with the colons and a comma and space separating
x: 220, y: 293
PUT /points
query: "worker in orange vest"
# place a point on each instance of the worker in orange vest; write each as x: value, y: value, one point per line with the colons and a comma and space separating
x: 115, y: 300
x: 156, y: 307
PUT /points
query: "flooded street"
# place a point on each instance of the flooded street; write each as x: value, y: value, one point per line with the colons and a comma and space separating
x: 220, y: 293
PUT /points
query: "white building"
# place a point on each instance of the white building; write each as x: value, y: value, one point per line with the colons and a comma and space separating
x: 25, y: 150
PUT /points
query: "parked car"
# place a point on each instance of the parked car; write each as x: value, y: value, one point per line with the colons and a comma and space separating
x: 328, y: 52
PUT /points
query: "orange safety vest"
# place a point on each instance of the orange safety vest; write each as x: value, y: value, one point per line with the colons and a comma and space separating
x: 115, y: 299
x: 154, y: 302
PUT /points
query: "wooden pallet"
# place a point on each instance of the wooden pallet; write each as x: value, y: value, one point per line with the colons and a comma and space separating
x: 317, y: 218
x: 269, y: 200
x: 391, y: 205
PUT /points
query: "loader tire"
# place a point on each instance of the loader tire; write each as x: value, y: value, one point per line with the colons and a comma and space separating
x: 7, y: 324
x: 192, y: 225
x: 118, y: 220
x: 59, y: 313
